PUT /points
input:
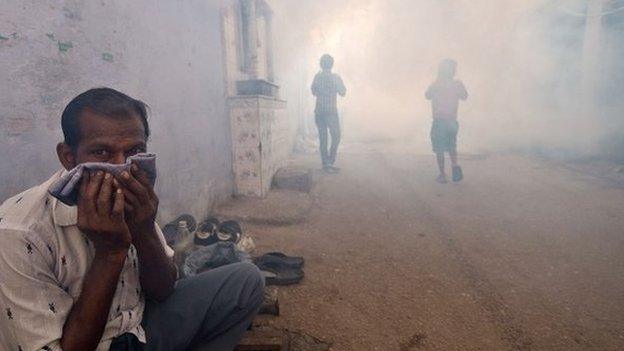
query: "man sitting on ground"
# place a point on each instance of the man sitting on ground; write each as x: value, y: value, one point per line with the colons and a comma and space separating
x: 99, y: 275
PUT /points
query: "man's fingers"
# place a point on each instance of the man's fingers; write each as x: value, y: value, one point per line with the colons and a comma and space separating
x: 118, y: 205
x: 141, y: 176
x: 105, y: 195
x: 84, y: 182
x: 93, y: 187
x: 133, y: 185
x: 91, y: 191
x: 131, y: 198
x: 128, y: 196
x: 82, y: 203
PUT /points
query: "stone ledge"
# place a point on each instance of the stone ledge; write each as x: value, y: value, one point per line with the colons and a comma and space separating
x: 279, y: 208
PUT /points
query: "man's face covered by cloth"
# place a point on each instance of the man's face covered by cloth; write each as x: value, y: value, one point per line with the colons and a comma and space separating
x: 109, y: 139
x: 114, y: 140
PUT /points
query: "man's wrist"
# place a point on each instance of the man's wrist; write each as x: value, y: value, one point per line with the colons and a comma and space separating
x: 144, y: 232
x: 112, y: 256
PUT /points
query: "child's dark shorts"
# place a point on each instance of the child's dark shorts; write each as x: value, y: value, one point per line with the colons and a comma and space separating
x: 444, y: 135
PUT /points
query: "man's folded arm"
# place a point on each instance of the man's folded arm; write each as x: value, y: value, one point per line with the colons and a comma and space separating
x: 40, y: 313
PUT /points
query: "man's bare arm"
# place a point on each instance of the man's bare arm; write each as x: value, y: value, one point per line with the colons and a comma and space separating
x: 342, y: 90
x: 87, y: 319
x: 429, y: 93
x: 157, y: 272
x: 102, y: 220
x: 314, y: 87
x: 463, y: 93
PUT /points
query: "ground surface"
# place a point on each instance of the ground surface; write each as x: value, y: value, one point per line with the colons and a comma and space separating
x: 522, y: 255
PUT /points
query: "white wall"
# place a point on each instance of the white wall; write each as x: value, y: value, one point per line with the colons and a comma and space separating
x: 166, y: 53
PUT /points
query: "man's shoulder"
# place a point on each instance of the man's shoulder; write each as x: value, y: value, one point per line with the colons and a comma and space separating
x: 336, y: 76
x: 25, y: 211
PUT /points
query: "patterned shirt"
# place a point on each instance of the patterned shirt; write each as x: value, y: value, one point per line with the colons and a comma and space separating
x: 326, y: 87
x: 43, y: 260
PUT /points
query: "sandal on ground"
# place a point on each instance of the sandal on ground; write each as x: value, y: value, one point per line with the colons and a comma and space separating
x: 458, y: 174
x: 280, y: 259
x: 441, y: 179
x: 281, y: 276
x: 229, y: 231
x: 206, y: 233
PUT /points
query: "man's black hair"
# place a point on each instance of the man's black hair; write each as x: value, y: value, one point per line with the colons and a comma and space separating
x: 327, y: 62
x: 101, y: 101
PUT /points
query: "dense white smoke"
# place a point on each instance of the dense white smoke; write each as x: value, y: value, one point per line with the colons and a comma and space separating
x: 524, y: 64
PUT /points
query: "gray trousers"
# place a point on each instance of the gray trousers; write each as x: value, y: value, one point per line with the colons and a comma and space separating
x: 325, y: 122
x: 210, y: 311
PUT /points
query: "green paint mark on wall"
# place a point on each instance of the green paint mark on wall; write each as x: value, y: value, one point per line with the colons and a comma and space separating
x: 2, y: 37
x: 65, y: 46
x: 107, y: 56
x: 50, y: 36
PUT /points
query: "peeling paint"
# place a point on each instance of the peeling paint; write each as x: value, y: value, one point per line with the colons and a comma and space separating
x: 65, y: 46
x: 107, y: 56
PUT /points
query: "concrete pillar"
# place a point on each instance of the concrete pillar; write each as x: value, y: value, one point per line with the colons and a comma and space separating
x: 269, y: 39
x: 250, y: 28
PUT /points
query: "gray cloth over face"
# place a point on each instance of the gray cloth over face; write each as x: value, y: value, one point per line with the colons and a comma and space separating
x: 66, y: 188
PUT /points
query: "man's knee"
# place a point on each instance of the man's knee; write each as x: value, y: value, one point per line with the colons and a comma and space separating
x: 252, y: 284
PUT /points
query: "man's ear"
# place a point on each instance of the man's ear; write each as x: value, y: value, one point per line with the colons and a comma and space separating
x: 66, y: 155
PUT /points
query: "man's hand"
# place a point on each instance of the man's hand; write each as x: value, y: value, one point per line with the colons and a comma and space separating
x: 141, y: 201
x: 101, y: 214
x: 101, y: 218
x: 157, y: 273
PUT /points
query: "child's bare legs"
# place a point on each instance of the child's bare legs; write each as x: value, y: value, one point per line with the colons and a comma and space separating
x: 453, y: 155
x: 440, y: 158
x: 458, y: 174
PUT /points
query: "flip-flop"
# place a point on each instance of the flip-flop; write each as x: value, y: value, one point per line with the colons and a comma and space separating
x: 281, y: 276
x: 290, y: 261
x: 206, y: 232
x: 441, y: 179
x: 229, y: 231
x: 458, y: 174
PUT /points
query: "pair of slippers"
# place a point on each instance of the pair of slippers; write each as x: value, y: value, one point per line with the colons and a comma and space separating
x: 457, y: 174
x: 212, y: 231
x: 207, y: 233
x: 280, y: 269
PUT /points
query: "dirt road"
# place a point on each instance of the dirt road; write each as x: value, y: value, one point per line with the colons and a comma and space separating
x: 522, y: 255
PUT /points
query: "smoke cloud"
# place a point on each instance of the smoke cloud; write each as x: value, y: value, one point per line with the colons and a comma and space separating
x: 533, y: 78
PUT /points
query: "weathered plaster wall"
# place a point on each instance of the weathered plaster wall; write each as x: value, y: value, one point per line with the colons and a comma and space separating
x: 166, y: 53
